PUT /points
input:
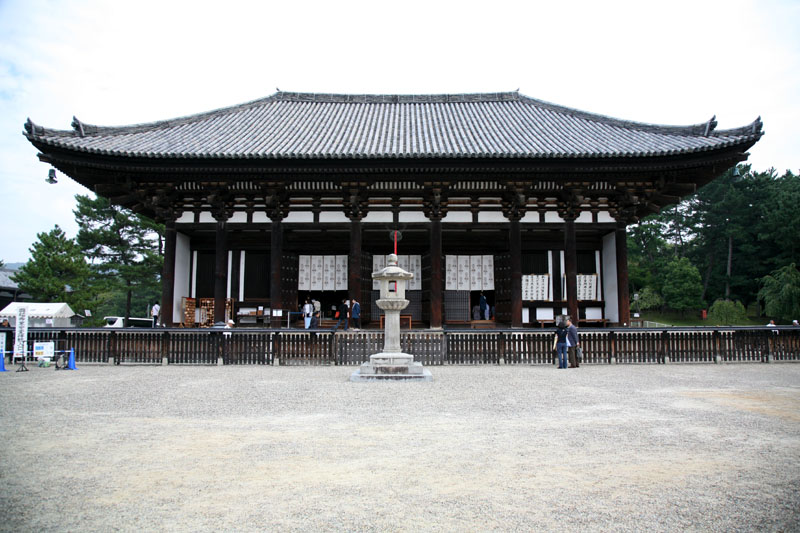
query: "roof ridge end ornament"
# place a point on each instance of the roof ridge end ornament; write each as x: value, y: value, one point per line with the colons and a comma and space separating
x: 757, y: 124
x: 77, y: 125
x: 32, y: 128
x: 710, y: 125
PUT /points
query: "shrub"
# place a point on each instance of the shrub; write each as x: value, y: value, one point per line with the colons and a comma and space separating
x: 650, y: 299
x: 683, y: 287
x: 728, y: 313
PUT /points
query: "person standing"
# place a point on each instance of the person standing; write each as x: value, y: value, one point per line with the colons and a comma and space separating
x: 308, y: 312
x: 572, y: 344
x: 561, y: 344
x: 484, y: 305
x: 355, y: 313
x: 342, y: 312
x: 315, y: 321
x: 154, y: 312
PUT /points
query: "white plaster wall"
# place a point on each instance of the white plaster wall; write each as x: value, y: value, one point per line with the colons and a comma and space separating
x: 552, y: 216
x: 186, y: 216
x: 241, y: 274
x: 299, y: 216
x: 457, y: 216
x: 610, y: 276
x: 193, y: 282
x: 413, y: 216
x: 183, y: 275
x: 260, y: 217
x: 326, y: 217
x: 206, y: 216
x: 491, y: 216
x: 378, y: 217
x: 584, y: 218
x: 604, y: 216
x: 597, y: 269
x: 531, y: 217
x: 230, y: 269
x: 238, y: 217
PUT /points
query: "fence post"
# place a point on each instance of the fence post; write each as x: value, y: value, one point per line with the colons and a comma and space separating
x: 664, y: 347
x: 501, y: 348
x: 770, y: 357
x: 612, y: 352
x: 112, y: 348
x: 333, y: 356
x: 276, y: 348
x: 717, y: 341
x: 218, y: 340
x: 165, y: 348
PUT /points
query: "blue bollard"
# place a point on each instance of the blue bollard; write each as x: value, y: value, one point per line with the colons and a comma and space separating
x: 71, y: 364
x: 3, y: 361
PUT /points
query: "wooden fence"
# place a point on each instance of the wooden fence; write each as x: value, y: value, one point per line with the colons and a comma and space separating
x: 430, y: 347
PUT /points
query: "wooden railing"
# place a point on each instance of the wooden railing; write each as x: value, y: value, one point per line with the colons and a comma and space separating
x: 430, y: 347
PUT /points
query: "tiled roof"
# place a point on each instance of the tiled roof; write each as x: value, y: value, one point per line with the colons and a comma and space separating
x: 303, y: 125
x: 5, y: 279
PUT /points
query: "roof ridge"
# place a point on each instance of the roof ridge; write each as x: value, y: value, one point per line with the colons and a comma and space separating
x: 287, y: 96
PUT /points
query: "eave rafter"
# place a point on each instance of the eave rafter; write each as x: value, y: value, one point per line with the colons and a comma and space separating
x: 162, y: 189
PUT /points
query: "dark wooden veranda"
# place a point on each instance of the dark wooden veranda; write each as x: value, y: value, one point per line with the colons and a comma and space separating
x: 430, y: 347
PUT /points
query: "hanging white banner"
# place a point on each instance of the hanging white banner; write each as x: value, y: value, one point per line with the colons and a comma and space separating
x: 21, y: 333
x: 304, y: 273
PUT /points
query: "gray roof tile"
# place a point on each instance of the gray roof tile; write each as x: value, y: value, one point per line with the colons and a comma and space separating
x: 304, y: 125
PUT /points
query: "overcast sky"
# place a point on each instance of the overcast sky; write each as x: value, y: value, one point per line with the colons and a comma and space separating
x: 117, y: 63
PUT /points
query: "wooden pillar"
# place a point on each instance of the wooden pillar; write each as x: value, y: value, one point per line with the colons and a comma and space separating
x: 515, y: 247
x: 275, y: 260
x: 354, y: 262
x: 168, y: 273
x: 437, y: 283
x: 220, y: 270
x: 623, y: 296
x: 571, y: 268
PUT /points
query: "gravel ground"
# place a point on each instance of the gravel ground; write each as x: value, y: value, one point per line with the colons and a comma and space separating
x: 600, y: 448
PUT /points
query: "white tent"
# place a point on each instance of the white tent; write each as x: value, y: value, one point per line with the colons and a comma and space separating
x: 41, y: 315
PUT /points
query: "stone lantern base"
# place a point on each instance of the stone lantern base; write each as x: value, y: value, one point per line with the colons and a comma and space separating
x: 391, y: 366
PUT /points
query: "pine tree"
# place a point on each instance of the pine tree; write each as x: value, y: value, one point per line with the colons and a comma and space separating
x: 57, y: 272
x: 124, y: 249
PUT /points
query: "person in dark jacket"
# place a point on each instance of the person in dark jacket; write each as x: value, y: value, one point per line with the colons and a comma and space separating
x: 484, y: 307
x: 561, y: 345
x: 314, y: 321
x: 355, y: 314
x: 572, y: 344
x: 343, y: 312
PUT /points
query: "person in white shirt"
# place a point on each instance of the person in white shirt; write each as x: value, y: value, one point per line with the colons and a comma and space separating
x: 154, y: 312
x: 308, y: 312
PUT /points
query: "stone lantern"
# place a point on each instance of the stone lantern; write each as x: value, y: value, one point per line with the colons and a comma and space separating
x: 392, y: 362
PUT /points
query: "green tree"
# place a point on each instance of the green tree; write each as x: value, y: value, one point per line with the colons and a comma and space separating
x: 648, y: 252
x: 781, y: 219
x: 735, y: 230
x: 57, y: 272
x: 649, y: 298
x: 125, y: 251
x: 683, y: 286
x: 727, y: 312
x: 781, y: 293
